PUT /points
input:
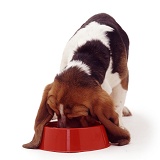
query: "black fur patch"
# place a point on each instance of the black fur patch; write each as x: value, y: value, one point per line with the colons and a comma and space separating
x: 119, y: 42
x: 118, y: 49
x: 96, y: 55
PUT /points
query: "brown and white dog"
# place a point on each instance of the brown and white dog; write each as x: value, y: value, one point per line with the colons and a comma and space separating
x: 92, y: 82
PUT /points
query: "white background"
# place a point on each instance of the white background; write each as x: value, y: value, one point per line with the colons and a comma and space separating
x: 33, y: 35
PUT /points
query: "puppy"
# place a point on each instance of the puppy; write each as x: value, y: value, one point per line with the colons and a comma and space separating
x: 92, y: 82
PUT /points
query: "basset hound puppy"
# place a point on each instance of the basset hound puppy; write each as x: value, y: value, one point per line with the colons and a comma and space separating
x: 92, y: 83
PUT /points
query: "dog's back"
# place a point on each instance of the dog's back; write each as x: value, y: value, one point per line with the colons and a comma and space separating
x: 107, y: 20
x: 102, y: 45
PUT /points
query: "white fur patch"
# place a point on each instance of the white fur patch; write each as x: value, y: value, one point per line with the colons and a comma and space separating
x: 111, y: 79
x: 119, y: 95
x: 80, y: 65
x: 61, y: 109
x: 93, y: 31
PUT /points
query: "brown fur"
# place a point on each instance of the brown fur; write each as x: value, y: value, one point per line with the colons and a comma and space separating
x: 44, y: 115
x: 79, y: 101
x: 124, y: 82
x: 123, y: 71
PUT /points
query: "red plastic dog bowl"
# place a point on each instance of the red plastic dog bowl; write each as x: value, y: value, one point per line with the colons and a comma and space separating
x: 73, y: 139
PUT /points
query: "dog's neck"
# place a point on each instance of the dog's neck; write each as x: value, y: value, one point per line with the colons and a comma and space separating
x: 77, y: 76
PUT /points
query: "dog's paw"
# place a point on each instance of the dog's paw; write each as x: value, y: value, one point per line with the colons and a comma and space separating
x: 123, y: 142
x: 126, y: 112
x: 30, y: 145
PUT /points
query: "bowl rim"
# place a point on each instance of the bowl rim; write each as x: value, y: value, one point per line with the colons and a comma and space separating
x: 98, y: 124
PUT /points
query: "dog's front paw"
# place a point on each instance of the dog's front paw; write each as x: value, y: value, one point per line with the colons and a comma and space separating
x: 31, y: 145
x: 123, y: 142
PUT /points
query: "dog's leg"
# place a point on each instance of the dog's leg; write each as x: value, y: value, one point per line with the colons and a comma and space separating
x: 126, y: 112
x: 118, y: 96
x: 44, y: 115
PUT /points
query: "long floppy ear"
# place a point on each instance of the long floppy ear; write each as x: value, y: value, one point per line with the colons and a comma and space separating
x: 51, y: 101
x: 78, y: 111
x: 104, y: 110
x: 44, y: 115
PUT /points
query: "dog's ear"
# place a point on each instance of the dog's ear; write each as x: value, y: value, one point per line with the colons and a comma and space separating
x: 104, y: 110
x: 104, y: 107
x: 52, y: 103
x: 44, y: 115
x: 77, y: 111
x: 44, y: 109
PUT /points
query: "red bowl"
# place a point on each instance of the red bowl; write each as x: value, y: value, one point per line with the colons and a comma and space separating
x: 73, y: 139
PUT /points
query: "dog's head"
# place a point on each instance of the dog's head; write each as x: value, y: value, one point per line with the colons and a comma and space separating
x: 73, y: 94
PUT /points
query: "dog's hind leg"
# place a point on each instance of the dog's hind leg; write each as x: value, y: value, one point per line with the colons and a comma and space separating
x: 44, y: 115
